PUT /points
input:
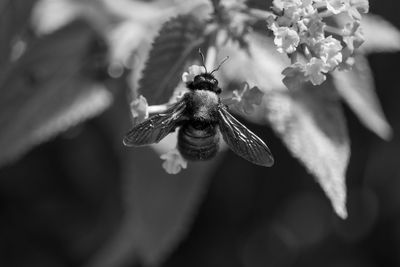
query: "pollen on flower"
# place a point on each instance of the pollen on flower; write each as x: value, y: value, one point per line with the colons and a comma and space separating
x: 173, y: 162
x: 192, y: 72
x: 305, y: 28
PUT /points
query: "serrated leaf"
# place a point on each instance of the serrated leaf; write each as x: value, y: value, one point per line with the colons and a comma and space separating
x: 14, y: 18
x: 311, y: 123
x: 158, y: 207
x: 380, y: 35
x: 50, y: 88
x: 357, y: 88
x: 177, y: 43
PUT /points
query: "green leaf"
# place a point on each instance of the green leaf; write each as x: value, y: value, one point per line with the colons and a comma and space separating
x: 357, y: 88
x: 14, y: 19
x: 380, y: 35
x: 50, y: 88
x: 176, y: 44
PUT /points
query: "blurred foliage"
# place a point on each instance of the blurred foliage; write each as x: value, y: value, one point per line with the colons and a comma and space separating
x: 81, y: 199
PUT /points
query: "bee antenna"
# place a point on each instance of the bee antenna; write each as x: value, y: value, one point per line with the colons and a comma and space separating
x: 202, y: 59
x: 220, y: 64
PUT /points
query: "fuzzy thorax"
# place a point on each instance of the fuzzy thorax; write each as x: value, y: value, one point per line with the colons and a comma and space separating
x: 204, y: 104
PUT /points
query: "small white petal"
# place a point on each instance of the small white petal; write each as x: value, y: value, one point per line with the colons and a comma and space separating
x: 186, y: 77
x: 139, y: 109
x: 173, y: 162
x: 194, y: 70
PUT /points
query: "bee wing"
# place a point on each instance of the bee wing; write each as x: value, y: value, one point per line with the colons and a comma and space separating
x: 155, y: 128
x: 242, y: 141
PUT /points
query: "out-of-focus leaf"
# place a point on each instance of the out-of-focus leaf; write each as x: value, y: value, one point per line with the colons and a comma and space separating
x: 357, y: 89
x: 262, y: 64
x: 51, y: 15
x: 380, y: 35
x: 158, y: 207
x: 261, y: 67
x: 311, y: 123
x: 14, y: 17
x: 125, y: 23
x: 309, y: 120
x: 177, y: 42
x: 50, y: 88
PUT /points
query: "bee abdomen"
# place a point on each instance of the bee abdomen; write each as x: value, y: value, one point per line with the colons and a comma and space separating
x: 198, y: 144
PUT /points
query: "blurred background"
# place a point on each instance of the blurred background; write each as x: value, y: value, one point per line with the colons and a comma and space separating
x: 82, y: 199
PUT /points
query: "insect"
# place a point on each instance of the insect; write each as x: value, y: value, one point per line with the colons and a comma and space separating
x: 201, y: 118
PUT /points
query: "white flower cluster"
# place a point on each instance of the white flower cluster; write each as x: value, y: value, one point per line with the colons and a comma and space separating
x: 301, y: 30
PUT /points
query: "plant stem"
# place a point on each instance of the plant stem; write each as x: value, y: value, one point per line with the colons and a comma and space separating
x: 333, y: 30
x: 259, y: 13
x: 325, y: 14
x: 157, y: 108
x: 293, y: 57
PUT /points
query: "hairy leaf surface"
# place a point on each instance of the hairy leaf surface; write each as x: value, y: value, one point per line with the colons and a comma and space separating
x: 14, y: 20
x: 312, y: 125
x: 358, y: 90
x: 309, y: 120
x: 176, y: 44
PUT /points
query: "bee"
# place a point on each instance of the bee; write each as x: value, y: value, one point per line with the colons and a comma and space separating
x: 201, y: 118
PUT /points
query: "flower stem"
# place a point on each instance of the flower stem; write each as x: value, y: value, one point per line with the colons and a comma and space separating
x: 319, y: 5
x: 157, y: 108
x: 333, y: 30
x: 293, y: 57
x: 259, y: 13
x: 307, y: 52
x: 325, y: 14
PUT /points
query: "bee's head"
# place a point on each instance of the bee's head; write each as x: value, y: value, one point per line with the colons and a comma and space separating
x: 205, y: 78
x: 206, y: 81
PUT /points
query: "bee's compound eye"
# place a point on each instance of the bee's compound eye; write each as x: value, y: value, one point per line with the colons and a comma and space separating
x: 218, y: 91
